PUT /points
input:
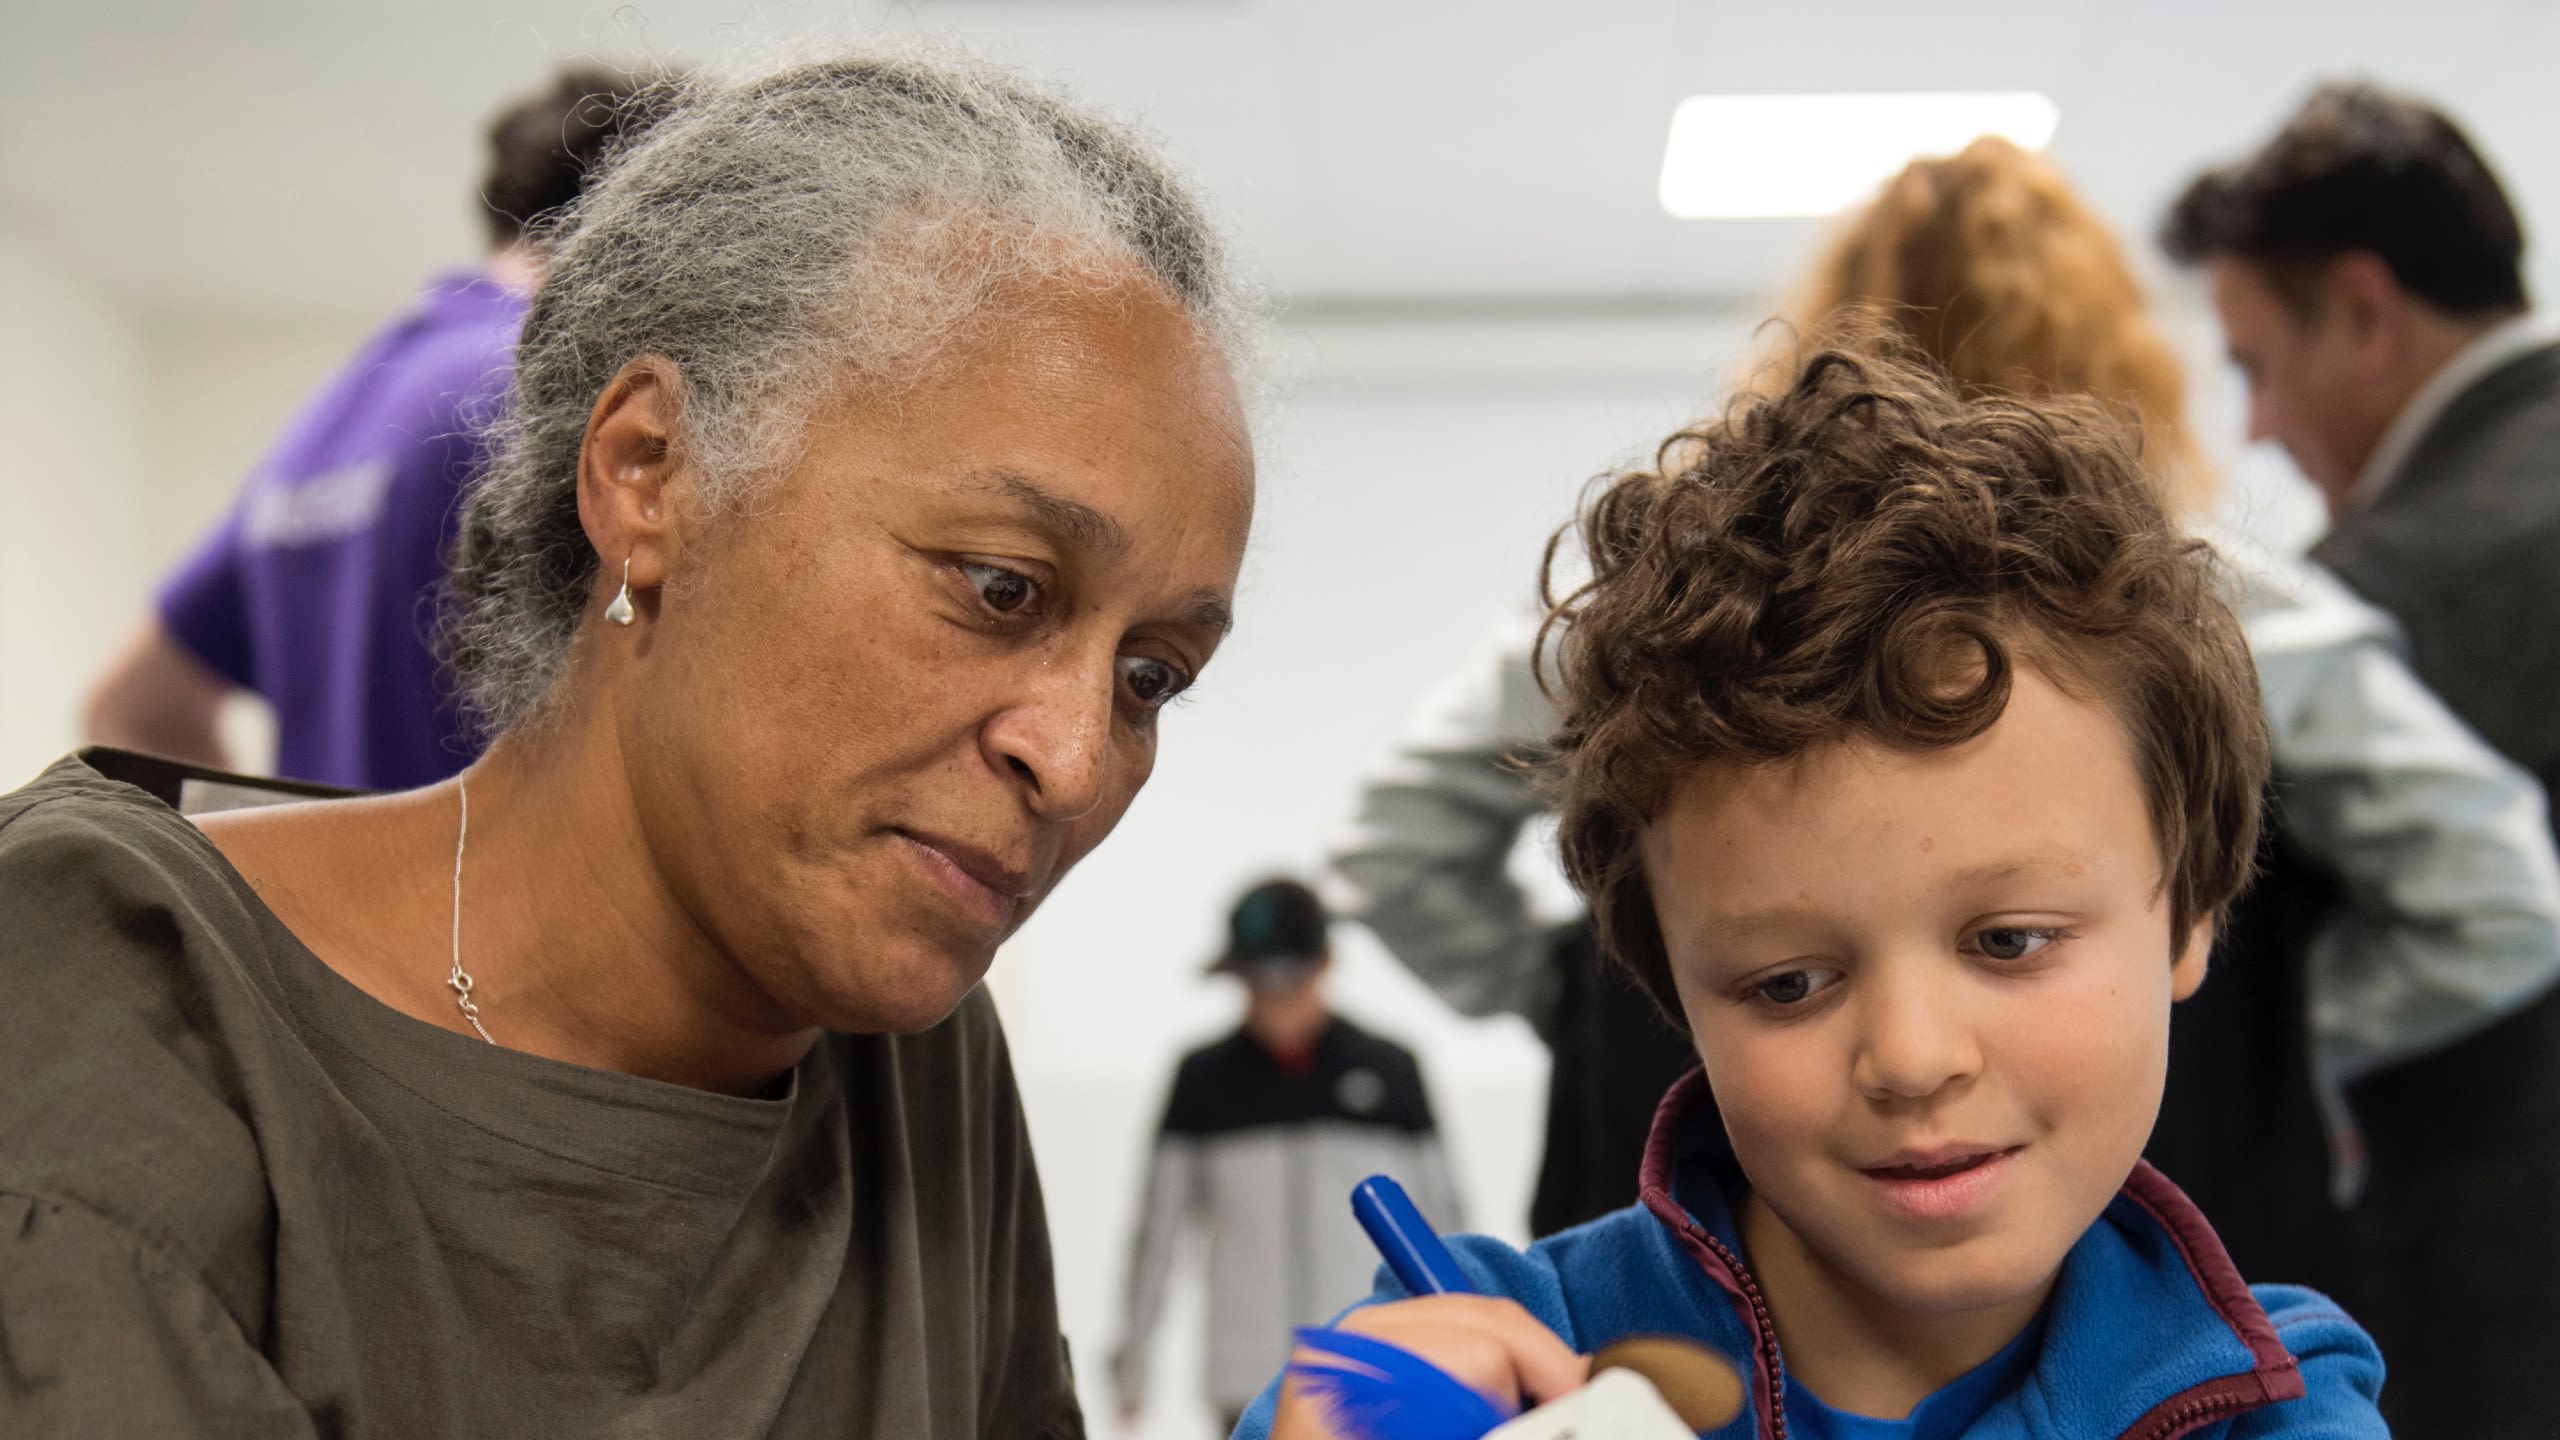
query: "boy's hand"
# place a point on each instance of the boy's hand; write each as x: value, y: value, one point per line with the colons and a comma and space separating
x: 1491, y: 1345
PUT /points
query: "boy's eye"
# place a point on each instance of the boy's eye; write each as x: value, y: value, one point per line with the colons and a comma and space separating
x: 1151, y: 681
x: 1007, y: 592
x: 1794, y: 987
x: 2011, y: 942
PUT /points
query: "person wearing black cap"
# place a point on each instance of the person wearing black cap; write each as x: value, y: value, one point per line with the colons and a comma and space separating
x: 1265, y: 1134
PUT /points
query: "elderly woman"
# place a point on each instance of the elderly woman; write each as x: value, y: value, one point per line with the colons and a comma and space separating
x: 874, y: 474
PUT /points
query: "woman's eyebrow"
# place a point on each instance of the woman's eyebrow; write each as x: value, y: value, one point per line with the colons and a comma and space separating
x: 1073, y: 519
x: 1209, y: 610
x: 1094, y: 530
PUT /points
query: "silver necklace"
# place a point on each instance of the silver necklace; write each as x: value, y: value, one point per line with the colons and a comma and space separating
x: 460, y: 979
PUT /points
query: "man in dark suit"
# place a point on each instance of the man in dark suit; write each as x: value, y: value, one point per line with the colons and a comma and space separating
x: 2364, y: 264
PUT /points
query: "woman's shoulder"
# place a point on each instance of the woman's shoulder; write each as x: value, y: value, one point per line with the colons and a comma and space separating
x: 73, y: 830
x: 104, y: 887
x: 122, y: 1010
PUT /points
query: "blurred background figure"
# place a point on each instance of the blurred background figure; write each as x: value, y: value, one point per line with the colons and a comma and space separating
x: 2418, y: 898
x: 2366, y: 266
x: 1266, y: 1133
x: 2367, y: 269
x: 318, y: 589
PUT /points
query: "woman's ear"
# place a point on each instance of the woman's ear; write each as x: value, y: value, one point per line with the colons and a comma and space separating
x: 626, y: 471
x: 2186, y: 973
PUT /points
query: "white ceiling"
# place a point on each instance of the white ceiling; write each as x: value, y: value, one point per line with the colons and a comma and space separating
x: 1368, y: 154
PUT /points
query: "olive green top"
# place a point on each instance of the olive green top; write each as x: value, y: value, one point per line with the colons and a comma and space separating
x: 238, y: 1196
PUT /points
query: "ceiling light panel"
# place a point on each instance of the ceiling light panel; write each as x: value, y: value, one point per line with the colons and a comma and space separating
x: 1734, y: 157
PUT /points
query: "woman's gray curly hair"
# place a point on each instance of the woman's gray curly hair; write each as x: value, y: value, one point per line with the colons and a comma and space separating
x: 847, y: 220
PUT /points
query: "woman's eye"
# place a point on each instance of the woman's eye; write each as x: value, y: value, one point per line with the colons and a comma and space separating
x: 2011, y: 942
x: 1794, y: 987
x: 1151, y: 682
x: 1006, y: 592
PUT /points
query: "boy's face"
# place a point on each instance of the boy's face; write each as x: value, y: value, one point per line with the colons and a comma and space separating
x: 1931, y: 990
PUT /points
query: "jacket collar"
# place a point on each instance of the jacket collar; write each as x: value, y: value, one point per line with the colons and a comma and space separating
x: 2489, y: 352
x: 2209, y: 1351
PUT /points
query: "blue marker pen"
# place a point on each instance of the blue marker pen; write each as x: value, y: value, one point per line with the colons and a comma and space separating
x: 1377, y: 1391
x: 1405, y: 1240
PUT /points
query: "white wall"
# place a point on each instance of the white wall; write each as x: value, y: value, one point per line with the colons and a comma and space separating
x: 71, y: 571
x: 129, y: 435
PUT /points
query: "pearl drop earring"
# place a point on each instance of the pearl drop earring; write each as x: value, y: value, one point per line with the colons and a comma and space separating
x: 620, y: 612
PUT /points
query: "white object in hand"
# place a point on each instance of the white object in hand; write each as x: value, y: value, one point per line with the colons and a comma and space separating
x: 1616, y: 1405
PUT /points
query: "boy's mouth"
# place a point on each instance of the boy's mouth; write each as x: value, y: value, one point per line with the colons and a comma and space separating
x: 1942, y: 1183
x: 1938, y: 1164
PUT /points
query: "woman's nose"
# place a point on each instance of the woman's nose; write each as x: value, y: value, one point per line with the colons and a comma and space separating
x: 1056, y: 737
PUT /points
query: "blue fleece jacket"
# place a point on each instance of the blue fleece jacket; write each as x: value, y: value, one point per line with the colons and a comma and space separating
x: 2150, y: 1333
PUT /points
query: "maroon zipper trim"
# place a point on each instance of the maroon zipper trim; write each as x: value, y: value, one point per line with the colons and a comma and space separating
x: 2197, y: 1406
x: 2275, y: 1374
x: 1764, y: 1334
x: 2275, y: 1368
x: 1720, y: 1263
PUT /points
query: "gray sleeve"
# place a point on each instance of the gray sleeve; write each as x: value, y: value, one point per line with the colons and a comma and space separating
x: 1172, y: 1190
x: 103, y: 1335
x: 2443, y: 845
x: 1427, y: 862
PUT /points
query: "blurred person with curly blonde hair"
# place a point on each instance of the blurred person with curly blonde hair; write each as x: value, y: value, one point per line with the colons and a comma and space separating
x: 2006, y: 278
x: 2416, y: 900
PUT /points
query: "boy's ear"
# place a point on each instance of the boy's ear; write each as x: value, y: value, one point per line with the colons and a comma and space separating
x: 2186, y: 973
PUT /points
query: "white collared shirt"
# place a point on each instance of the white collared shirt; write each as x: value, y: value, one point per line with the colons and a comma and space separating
x: 2494, y: 347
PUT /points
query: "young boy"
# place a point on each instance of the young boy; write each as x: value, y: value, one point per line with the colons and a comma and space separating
x: 1909, y: 756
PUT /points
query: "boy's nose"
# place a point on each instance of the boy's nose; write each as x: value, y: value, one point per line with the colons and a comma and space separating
x: 1913, y: 1039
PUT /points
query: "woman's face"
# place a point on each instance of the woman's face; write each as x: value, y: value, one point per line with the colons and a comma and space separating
x: 880, y: 712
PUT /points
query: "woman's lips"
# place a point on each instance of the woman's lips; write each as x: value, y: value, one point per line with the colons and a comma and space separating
x: 1943, y: 1186
x: 991, y: 904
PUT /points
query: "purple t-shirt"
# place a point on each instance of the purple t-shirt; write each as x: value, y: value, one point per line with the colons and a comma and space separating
x: 318, y: 590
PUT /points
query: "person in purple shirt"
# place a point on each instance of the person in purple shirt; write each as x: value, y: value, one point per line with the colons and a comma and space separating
x: 318, y: 589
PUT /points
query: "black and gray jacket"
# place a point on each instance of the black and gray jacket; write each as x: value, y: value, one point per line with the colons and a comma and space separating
x: 2462, y: 546
x: 1263, y: 1157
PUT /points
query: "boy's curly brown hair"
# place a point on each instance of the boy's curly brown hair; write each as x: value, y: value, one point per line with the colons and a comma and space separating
x: 1865, y: 553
